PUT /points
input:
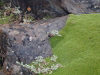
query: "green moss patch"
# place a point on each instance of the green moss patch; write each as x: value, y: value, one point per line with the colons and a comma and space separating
x: 79, y: 47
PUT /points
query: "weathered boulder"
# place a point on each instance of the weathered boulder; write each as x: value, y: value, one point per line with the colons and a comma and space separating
x: 76, y: 6
x: 24, y: 42
x: 81, y: 6
x: 54, y: 8
x: 41, y: 8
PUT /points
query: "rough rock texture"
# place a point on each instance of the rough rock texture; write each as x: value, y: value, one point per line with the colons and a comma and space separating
x: 81, y: 6
x: 55, y: 8
x: 1, y: 72
x: 24, y: 42
x: 41, y: 8
x: 76, y: 6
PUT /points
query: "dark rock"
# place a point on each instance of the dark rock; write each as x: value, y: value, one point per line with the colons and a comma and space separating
x: 55, y: 8
x: 24, y: 42
x: 42, y: 8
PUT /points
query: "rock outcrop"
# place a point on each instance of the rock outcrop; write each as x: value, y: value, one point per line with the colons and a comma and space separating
x: 54, y: 8
x: 41, y: 8
x: 24, y: 42
x: 81, y: 6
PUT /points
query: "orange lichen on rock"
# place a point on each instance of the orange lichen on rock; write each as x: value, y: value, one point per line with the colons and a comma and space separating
x: 29, y: 8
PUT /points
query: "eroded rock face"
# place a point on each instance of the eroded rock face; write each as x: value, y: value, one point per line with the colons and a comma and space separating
x: 41, y: 8
x: 54, y: 8
x: 81, y: 6
x: 77, y: 6
x: 24, y: 42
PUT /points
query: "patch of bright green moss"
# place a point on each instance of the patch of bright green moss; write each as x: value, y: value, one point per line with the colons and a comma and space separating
x: 79, y: 47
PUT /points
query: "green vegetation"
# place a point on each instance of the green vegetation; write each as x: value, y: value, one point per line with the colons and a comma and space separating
x: 79, y: 47
x: 6, y: 19
x: 1, y: 2
x: 42, y: 66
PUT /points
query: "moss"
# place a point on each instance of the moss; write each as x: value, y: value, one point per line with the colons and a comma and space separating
x: 6, y: 19
x: 79, y: 47
x: 1, y: 2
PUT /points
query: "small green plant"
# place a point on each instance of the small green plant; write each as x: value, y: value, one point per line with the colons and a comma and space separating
x: 9, y: 14
x: 54, y: 33
x: 6, y: 19
x: 1, y: 2
x: 17, y: 17
x: 16, y: 10
x: 28, y: 18
x: 47, y: 17
x: 42, y: 66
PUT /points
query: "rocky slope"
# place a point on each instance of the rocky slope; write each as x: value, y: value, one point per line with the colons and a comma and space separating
x: 24, y: 42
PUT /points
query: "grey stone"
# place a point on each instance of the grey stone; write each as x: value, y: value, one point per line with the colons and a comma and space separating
x: 23, y: 43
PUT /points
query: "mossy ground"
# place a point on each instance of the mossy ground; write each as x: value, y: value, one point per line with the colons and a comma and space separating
x: 79, y: 47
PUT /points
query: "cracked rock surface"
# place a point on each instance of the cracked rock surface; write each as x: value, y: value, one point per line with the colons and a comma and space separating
x: 24, y: 42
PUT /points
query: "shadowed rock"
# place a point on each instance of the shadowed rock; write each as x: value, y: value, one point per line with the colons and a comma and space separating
x: 55, y: 8
x: 42, y: 8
